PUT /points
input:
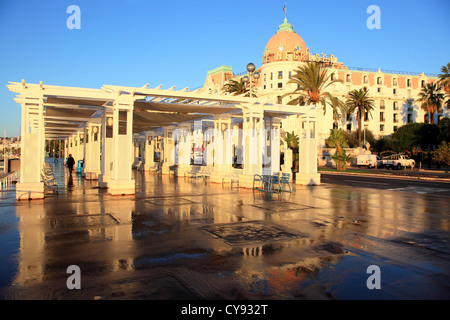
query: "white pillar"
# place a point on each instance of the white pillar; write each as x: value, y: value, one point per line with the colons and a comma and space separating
x: 149, y: 156
x: 253, y: 139
x: 308, y: 174
x: 168, y: 149
x: 107, y: 148
x: 183, y: 149
x: 32, y: 149
x: 92, y: 165
x: 121, y: 182
x: 222, y: 147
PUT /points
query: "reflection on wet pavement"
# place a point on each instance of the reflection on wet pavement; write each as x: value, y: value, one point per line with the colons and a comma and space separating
x: 182, y: 239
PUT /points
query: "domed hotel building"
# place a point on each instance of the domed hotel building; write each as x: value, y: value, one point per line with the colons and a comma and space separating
x: 394, y: 92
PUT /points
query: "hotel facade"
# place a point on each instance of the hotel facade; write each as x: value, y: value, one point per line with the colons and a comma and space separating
x: 394, y: 92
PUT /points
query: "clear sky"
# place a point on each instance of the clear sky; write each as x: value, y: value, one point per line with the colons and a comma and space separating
x: 175, y: 42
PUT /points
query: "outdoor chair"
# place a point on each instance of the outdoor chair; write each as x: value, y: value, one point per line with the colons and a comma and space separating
x: 284, y: 181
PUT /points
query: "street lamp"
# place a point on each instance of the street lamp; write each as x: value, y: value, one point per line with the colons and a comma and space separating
x: 251, y: 72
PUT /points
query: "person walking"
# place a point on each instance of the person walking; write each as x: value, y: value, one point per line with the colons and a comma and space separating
x: 70, y: 163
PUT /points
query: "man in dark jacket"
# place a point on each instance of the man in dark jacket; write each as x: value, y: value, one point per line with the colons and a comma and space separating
x: 70, y: 163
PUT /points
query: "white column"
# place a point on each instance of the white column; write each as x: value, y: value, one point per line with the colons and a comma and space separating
x: 121, y: 182
x: 92, y: 165
x: 308, y: 174
x: 32, y: 148
x: 222, y: 147
x: 253, y: 139
x: 149, y: 157
x: 184, y: 148
x: 107, y: 148
x: 168, y: 149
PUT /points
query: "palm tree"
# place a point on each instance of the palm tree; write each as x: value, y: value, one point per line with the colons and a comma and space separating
x: 238, y: 87
x: 339, y: 109
x: 359, y: 101
x: 444, y: 82
x: 431, y: 99
x: 312, y: 82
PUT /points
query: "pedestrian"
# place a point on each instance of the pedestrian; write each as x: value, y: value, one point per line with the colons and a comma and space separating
x: 70, y: 163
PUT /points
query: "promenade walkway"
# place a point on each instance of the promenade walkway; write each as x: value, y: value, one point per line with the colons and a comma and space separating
x: 184, y: 239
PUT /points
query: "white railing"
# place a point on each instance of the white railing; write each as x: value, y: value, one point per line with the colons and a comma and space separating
x: 8, y: 180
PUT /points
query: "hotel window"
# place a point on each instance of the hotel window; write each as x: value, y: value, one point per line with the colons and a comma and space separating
x: 348, y: 78
x: 394, y: 91
x: 382, y: 104
x: 365, y: 89
x: 425, y: 118
x: 264, y: 77
x: 264, y: 86
x: 279, y: 100
x: 410, y: 119
x: 280, y: 74
x: 271, y: 76
x: 395, y: 117
x: 395, y: 128
x: 408, y: 82
x: 366, y: 79
x: 271, y: 86
x: 349, y: 127
x: 422, y: 84
x: 382, y: 116
x: 379, y: 81
x: 381, y: 127
x: 378, y: 89
x: 290, y: 73
x: 366, y: 116
x: 332, y: 77
x: 394, y: 81
x: 280, y: 85
x: 395, y: 105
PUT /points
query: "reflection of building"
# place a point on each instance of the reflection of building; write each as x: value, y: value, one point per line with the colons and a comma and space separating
x: 394, y: 92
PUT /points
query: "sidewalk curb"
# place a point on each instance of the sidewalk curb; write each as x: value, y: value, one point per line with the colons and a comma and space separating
x: 381, y: 175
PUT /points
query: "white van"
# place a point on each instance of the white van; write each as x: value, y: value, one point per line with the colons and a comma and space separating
x: 368, y: 160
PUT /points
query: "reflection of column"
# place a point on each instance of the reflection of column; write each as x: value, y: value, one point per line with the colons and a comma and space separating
x: 121, y: 181
x: 308, y: 153
x: 32, y: 244
x: 32, y: 149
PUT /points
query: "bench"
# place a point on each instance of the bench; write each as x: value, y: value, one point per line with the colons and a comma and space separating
x: 48, y: 178
x: 232, y: 177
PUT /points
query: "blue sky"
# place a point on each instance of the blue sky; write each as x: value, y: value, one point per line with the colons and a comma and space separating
x: 134, y: 42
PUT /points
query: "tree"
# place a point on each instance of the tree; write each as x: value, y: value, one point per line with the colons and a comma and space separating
x: 442, y: 155
x: 238, y: 87
x: 359, y: 101
x: 341, y: 158
x: 444, y: 82
x: 406, y: 137
x: 336, y: 136
x: 312, y: 83
x: 431, y: 99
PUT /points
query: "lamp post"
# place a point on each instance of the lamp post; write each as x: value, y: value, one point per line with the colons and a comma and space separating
x: 251, y: 73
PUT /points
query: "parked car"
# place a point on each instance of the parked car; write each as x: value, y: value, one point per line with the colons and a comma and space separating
x: 398, y: 161
x: 368, y: 160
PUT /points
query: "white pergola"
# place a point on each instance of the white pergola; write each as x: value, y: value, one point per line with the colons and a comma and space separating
x: 99, y: 127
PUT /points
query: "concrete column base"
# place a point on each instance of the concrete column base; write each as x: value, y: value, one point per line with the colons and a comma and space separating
x: 92, y: 175
x: 29, y: 190
x: 307, y: 179
x: 182, y: 169
x: 103, y: 180
x: 121, y: 187
x: 246, y: 181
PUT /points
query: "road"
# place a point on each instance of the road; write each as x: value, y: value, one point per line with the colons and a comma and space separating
x: 389, y: 183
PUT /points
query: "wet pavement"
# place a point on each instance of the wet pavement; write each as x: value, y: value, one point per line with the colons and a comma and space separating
x: 183, y: 239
